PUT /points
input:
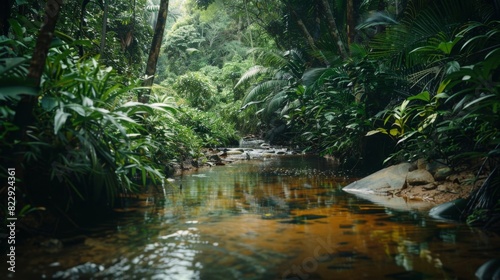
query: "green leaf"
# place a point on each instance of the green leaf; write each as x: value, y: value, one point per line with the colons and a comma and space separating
x: 49, y: 103
x: 79, y: 109
x: 442, y: 86
x: 480, y: 99
x: 60, y: 119
x: 7, y: 64
x: 394, y: 132
x: 452, y: 66
x: 14, y: 92
x: 375, y: 131
x: 424, y: 96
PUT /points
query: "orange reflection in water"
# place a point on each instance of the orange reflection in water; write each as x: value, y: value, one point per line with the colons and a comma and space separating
x: 280, y: 219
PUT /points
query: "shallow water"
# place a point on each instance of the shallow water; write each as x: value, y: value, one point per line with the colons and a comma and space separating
x: 282, y: 218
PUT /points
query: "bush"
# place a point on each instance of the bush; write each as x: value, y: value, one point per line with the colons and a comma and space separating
x: 212, y: 129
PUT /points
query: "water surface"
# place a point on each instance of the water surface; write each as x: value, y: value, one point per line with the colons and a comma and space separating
x: 282, y: 218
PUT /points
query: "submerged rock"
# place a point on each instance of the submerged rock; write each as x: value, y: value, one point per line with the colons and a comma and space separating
x: 450, y: 210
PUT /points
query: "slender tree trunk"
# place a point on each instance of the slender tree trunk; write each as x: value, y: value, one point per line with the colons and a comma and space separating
x: 309, y: 38
x: 334, y: 31
x: 351, y: 22
x: 25, y: 108
x: 249, y: 30
x: 5, y: 8
x: 103, y: 30
x: 154, y: 52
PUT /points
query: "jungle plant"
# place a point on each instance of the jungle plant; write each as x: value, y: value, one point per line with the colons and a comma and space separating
x: 278, y: 85
x: 197, y: 89
x: 213, y: 130
x: 163, y: 128
x: 87, y: 143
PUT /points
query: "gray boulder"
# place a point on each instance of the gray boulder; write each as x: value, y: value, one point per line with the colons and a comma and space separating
x: 386, y: 180
x: 419, y: 177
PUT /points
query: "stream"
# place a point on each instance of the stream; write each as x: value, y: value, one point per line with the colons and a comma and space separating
x: 277, y: 218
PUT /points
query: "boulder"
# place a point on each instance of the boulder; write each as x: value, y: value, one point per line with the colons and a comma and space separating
x: 381, y: 182
x: 419, y: 177
x: 449, y: 211
x: 442, y: 173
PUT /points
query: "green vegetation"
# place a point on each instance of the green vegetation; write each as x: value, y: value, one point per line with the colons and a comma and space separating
x: 368, y: 82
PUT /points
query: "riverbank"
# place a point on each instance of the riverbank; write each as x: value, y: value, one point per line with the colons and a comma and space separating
x: 459, y: 184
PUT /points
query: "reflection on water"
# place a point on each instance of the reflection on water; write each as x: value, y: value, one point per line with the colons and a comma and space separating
x: 284, y: 218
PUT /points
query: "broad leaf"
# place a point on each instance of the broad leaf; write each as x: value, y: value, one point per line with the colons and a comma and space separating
x: 60, y: 119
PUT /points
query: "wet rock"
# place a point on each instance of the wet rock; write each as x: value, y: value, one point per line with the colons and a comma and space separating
x: 83, y: 271
x: 449, y: 211
x: 419, y: 177
x: 489, y: 270
x: 250, y: 143
x: 265, y: 146
x: 234, y: 152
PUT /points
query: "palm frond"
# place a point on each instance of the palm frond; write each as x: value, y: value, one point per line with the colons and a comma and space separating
x: 253, y: 73
x: 264, y: 90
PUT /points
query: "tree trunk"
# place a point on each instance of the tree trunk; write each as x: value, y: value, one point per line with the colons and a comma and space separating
x: 25, y: 108
x: 154, y: 52
x: 103, y: 30
x: 351, y: 22
x: 249, y: 30
x: 5, y: 8
x: 309, y: 38
x: 334, y: 31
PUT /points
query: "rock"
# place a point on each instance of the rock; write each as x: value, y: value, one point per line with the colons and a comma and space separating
x: 234, y: 152
x: 442, y: 188
x: 429, y: 187
x: 265, y: 146
x: 435, y: 165
x: 450, y: 210
x: 381, y: 182
x: 489, y: 270
x: 421, y: 164
x: 419, y: 177
x: 250, y: 143
x: 441, y: 173
x: 215, y: 158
